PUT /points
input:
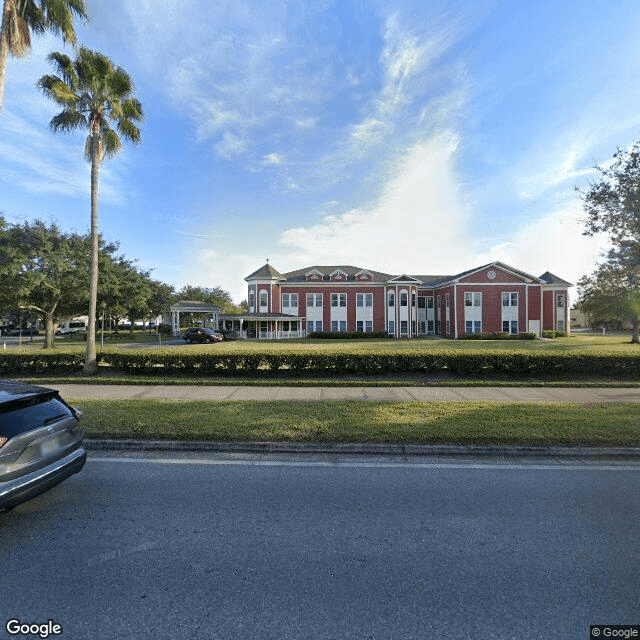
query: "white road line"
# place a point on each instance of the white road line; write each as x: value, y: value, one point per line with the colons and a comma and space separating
x: 391, y: 465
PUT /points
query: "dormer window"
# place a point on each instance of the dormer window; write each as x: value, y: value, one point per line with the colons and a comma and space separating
x: 314, y: 274
x: 338, y: 275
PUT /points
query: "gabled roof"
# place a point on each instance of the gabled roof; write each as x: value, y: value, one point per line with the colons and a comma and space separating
x: 405, y: 278
x: 267, y: 272
x: 193, y: 306
x: 548, y: 278
x: 497, y: 265
x: 299, y: 275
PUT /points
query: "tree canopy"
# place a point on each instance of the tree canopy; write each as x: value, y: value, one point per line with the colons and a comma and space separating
x: 612, y: 205
x: 45, y: 270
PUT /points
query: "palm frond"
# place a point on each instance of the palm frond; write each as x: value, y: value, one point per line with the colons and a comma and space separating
x: 111, y: 142
x: 18, y: 34
x: 132, y: 109
x: 64, y: 66
x: 68, y: 120
x: 129, y: 131
x: 58, y: 91
x: 59, y: 16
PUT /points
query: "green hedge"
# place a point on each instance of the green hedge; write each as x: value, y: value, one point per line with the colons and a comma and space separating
x: 40, y: 361
x: 347, y: 335
x: 550, y: 333
x: 500, y: 335
x: 477, y: 363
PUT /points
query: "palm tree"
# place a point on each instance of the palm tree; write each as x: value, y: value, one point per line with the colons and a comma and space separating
x: 95, y: 95
x: 21, y: 18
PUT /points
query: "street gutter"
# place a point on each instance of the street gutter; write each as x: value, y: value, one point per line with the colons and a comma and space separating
x: 379, y: 449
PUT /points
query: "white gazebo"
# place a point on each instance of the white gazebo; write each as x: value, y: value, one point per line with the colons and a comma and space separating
x: 209, y: 314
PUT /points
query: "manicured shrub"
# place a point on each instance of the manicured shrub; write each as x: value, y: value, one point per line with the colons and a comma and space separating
x: 347, y: 361
x: 347, y: 335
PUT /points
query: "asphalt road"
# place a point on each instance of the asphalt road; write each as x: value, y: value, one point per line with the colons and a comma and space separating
x: 209, y: 546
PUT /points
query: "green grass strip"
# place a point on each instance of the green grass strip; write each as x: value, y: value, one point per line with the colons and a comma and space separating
x: 362, y: 421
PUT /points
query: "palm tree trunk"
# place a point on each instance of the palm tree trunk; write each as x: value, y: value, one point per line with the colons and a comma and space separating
x: 90, y: 361
x: 4, y: 47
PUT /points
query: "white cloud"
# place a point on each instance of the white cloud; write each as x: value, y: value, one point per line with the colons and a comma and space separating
x: 273, y: 159
x: 553, y: 242
x: 230, y: 145
x: 418, y: 224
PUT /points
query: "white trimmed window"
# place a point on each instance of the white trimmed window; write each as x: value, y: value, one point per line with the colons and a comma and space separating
x: 509, y: 299
x: 510, y: 326
x: 264, y: 300
x: 391, y: 299
x: 472, y: 299
x: 560, y: 301
x: 338, y: 299
x: 473, y: 326
x: 289, y: 300
x: 392, y: 327
x: 364, y: 299
x: 404, y: 299
x: 314, y: 299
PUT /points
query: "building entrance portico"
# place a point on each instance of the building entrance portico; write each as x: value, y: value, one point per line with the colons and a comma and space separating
x: 209, y: 314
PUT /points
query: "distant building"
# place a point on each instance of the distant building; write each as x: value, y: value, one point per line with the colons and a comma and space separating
x: 491, y: 298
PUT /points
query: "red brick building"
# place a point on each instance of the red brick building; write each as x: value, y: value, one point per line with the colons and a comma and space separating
x: 491, y: 298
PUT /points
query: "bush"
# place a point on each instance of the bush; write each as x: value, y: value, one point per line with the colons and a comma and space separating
x: 477, y: 363
x: 499, y: 335
x: 347, y: 335
x: 549, y: 333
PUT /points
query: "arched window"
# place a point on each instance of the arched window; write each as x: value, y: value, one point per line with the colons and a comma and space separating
x: 252, y: 300
x: 404, y: 298
x: 264, y: 300
x: 391, y: 299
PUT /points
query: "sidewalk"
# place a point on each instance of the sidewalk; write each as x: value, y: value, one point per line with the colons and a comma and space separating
x: 375, y: 394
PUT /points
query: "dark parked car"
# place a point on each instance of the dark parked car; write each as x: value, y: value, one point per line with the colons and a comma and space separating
x: 230, y: 335
x: 202, y: 334
x: 5, y: 329
x: 25, y: 331
x: 40, y: 442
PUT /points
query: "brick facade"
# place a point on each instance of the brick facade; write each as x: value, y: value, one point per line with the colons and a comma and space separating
x: 495, y: 297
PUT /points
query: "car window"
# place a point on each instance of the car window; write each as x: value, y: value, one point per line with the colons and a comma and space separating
x: 31, y: 417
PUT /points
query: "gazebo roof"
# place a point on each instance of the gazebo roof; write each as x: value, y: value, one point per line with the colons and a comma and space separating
x: 193, y: 306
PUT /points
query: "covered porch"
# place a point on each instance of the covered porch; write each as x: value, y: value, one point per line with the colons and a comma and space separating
x: 264, y: 326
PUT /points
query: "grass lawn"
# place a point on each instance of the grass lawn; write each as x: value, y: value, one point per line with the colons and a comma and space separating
x: 359, y: 421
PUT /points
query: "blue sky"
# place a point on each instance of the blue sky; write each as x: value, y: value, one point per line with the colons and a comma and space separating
x: 400, y: 136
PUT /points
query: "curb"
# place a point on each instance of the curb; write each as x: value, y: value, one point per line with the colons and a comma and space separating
x: 381, y: 449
